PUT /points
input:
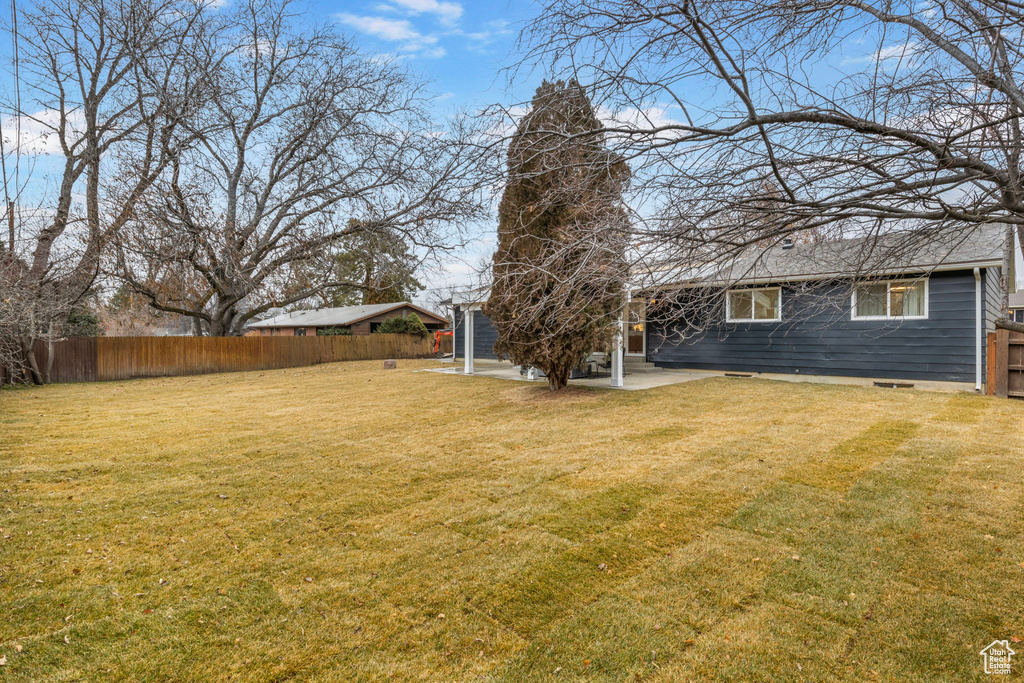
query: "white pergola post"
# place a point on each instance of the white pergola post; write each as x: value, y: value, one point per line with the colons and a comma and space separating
x: 467, y: 333
x: 617, y: 350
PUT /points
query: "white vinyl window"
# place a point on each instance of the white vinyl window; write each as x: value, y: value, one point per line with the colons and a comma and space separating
x: 753, y: 305
x: 892, y: 299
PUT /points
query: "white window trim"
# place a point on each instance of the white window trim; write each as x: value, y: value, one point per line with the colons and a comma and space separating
x: 888, y: 300
x: 728, y: 305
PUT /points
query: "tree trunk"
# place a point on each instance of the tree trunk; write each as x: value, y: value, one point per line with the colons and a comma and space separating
x: 558, y: 376
x: 226, y: 322
x: 33, y: 363
x: 220, y: 326
x: 49, y: 355
x: 557, y: 382
x: 1004, y: 277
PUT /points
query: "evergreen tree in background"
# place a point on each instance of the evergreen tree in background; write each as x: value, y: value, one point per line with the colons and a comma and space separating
x: 410, y: 324
x: 559, y: 269
x: 381, y: 261
x: 82, y: 322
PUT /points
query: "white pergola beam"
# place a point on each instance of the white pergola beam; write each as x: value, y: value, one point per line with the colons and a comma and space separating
x: 617, y: 351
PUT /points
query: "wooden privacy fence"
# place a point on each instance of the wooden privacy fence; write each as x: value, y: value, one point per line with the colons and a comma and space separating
x: 1006, y: 366
x: 113, y: 358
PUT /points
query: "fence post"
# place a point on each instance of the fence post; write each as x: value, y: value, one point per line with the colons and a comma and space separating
x: 1002, y: 368
x: 990, y: 364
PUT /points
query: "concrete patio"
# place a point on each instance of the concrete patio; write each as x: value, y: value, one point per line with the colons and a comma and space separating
x: 659, y: 377
x: 631, y: 382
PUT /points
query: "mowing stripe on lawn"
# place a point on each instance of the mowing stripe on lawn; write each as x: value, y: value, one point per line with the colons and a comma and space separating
x: 843, y: 465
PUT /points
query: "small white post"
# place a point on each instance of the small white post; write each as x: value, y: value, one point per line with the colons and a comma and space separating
x: 467, y: 332
x: 979, y: 332
x: 617, y: 352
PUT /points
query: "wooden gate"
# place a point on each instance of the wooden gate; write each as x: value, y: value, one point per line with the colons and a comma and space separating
x: 1007, y: 371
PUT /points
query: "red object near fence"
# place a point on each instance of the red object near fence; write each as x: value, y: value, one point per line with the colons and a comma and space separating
x: 437, y: 338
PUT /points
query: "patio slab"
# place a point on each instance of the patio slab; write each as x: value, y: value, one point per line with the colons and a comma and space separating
x: 632, y: 381
x: 665, y: 376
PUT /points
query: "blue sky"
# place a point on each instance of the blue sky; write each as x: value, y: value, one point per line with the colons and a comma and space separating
x: 460, y: 46
x: 461, y: 49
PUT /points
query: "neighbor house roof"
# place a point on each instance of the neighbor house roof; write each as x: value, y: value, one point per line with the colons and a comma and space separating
x: 885, y: 254
x: 1017, y: 299
x: 345, y: 315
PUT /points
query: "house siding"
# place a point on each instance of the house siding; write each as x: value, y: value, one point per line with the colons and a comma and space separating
x: 991, y: 297
x: 813, y: 341
x: 992, y: 304
x: 484, y: 336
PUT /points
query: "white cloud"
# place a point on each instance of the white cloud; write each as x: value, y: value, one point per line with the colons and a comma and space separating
x: 628, y: 119
x: 38, y: 134
x: 896, y: 51
x: 446, y: 12
x: 481, y: 39
x: 385, y: 29
x: 434, y: 53
x: 411, y: 41
x: 651, y: 117
x: 901, y: 51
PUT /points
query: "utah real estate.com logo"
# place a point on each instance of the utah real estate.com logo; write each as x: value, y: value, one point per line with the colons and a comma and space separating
x: 997, y: 657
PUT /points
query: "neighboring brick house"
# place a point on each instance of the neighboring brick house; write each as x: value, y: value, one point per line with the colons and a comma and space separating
x: 353, y: 319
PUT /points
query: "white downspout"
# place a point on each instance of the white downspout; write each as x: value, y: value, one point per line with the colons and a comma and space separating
x: 978, y: 330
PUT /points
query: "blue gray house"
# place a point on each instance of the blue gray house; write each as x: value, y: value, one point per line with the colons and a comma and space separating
x: 865, y: 308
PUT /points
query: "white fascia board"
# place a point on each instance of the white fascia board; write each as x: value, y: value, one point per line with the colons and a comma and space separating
x: 472, y: 296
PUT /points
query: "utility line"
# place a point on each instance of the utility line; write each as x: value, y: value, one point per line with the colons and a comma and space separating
x: 8, y: 204
x: 7, y: 196
x: 17, y: 98
x: 8, y: 209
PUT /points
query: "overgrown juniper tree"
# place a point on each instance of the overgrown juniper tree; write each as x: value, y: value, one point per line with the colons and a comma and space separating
x: 559, y: 269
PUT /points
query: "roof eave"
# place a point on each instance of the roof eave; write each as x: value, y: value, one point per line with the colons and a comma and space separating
x: 778, y: 279
x: 398, y: 305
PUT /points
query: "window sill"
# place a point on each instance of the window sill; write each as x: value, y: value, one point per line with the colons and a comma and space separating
x: 876, y: 318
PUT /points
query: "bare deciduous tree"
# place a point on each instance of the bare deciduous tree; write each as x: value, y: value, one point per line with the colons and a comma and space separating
x: 104, y: 79
x: 852, y: 116
x: 306, y: 134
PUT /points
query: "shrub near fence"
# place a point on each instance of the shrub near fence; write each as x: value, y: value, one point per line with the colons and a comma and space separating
x: 114, y: 358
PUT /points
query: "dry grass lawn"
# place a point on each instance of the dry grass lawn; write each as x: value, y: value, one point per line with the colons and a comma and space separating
x: 341, y: 523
